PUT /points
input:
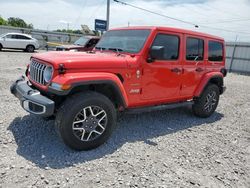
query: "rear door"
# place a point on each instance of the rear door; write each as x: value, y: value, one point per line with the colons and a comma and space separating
x: 162, y: 78
x: 193, y: 64
x: 22, y: 41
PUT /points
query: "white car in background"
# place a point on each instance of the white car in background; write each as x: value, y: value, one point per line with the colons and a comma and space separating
x: 18, y: 41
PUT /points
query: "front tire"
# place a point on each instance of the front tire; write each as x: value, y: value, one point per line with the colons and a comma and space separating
x: 205, y: 105
x: 86, y: 120
x: 30, y: 48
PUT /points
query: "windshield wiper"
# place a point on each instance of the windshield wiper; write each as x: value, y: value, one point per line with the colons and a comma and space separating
x: 116, y: 49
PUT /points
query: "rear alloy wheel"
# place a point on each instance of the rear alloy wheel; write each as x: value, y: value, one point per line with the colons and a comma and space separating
x: 86, y: 120
x: 30, y: 48
x: 206, y: 104
x: 211, y: 101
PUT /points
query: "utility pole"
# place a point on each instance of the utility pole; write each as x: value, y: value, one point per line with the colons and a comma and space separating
x: 108, y: 12
x: 232, y: 58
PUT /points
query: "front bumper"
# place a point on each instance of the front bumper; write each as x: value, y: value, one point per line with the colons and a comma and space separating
x: 31, y: 100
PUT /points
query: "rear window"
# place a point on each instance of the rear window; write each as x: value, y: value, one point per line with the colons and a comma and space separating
x: 215, y: 51
x: 194, y: 49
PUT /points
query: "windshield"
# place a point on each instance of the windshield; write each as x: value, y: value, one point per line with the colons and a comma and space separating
x: 81, y: 41
x: 130, y: 41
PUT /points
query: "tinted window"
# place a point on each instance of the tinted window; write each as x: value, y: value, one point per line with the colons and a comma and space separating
x: 170, y: 44
x: 18, y: 37
x: 194, y: 49
x: 81, y: 41
x: 22, y: 37
x: 215, y: 51
x: 92, y: 42
x: 14, y: 36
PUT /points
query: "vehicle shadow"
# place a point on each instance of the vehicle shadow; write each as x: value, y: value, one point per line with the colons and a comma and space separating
x: 17, y: 51
x: 38, y: 142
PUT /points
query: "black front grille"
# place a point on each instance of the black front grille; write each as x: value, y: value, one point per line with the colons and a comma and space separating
x: 37, y: 72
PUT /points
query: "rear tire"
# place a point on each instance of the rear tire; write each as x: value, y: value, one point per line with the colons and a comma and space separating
x: 1, y: 47
x: 30, y: 48
x: 86, y: 120
x: 205, y: 105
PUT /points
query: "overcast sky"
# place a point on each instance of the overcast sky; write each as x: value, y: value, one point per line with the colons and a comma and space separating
x: 218, y: 14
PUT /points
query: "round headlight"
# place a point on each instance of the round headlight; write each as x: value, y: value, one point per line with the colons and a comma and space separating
x: 48, y: 72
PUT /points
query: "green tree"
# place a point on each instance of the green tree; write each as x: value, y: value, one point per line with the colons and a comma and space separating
x: 3, y: 21
x: 18, y: 22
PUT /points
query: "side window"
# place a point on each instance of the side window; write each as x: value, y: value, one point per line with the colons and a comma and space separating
x: 170, y: 44
x: 194, y: 49
x: 95, y: 41
x: 91, y: 43
x: 14, y: 36
x: 8, y: 36
x: 22, y: 37
x: 215, y: 51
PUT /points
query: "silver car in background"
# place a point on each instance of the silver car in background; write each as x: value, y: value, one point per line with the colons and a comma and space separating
x: 18, y: 41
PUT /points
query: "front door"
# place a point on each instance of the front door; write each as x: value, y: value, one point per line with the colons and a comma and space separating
x: 162, y: 78
x: 9, y: 41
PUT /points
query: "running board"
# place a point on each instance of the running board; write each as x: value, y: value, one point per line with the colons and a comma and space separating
x: 159, y: 107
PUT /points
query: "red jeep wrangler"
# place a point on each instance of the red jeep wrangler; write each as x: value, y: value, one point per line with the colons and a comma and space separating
x: 133, y: 69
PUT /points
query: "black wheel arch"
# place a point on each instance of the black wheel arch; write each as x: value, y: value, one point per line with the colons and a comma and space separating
x: 217, y: 80
x: 106, y: 87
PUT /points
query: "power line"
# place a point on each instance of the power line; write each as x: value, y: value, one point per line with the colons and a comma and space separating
x: 179, y: 20
x: 228, y: 21
x: 227, y: 30
x: 222, y: 10
x: 96, y: 10
x: 82, y: 7
x: 169, y: 17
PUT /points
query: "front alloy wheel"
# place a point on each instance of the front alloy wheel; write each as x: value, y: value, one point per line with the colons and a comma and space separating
x: 86, y: 120
x: 90, y: 123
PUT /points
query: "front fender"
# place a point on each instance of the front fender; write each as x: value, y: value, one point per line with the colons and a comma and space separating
x: 205, y: 80
x: 77, y: 79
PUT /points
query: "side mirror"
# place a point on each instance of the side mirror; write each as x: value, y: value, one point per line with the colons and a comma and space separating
x: 156, y: 52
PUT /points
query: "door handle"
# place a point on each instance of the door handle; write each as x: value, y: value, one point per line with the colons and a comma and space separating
x: 176, y: 70
x: 199, y: 69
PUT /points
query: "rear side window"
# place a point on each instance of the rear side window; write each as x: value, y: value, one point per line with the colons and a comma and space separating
x: 194, y: 49
x: 22, y: 37
x: 171, y: 45
x: 215, y: 51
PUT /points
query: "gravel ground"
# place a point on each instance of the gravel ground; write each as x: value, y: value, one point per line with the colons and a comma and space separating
x: 161, y: 149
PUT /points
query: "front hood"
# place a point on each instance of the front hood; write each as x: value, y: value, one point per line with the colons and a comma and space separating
x: 83, y: 60
x: 69, y: 46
